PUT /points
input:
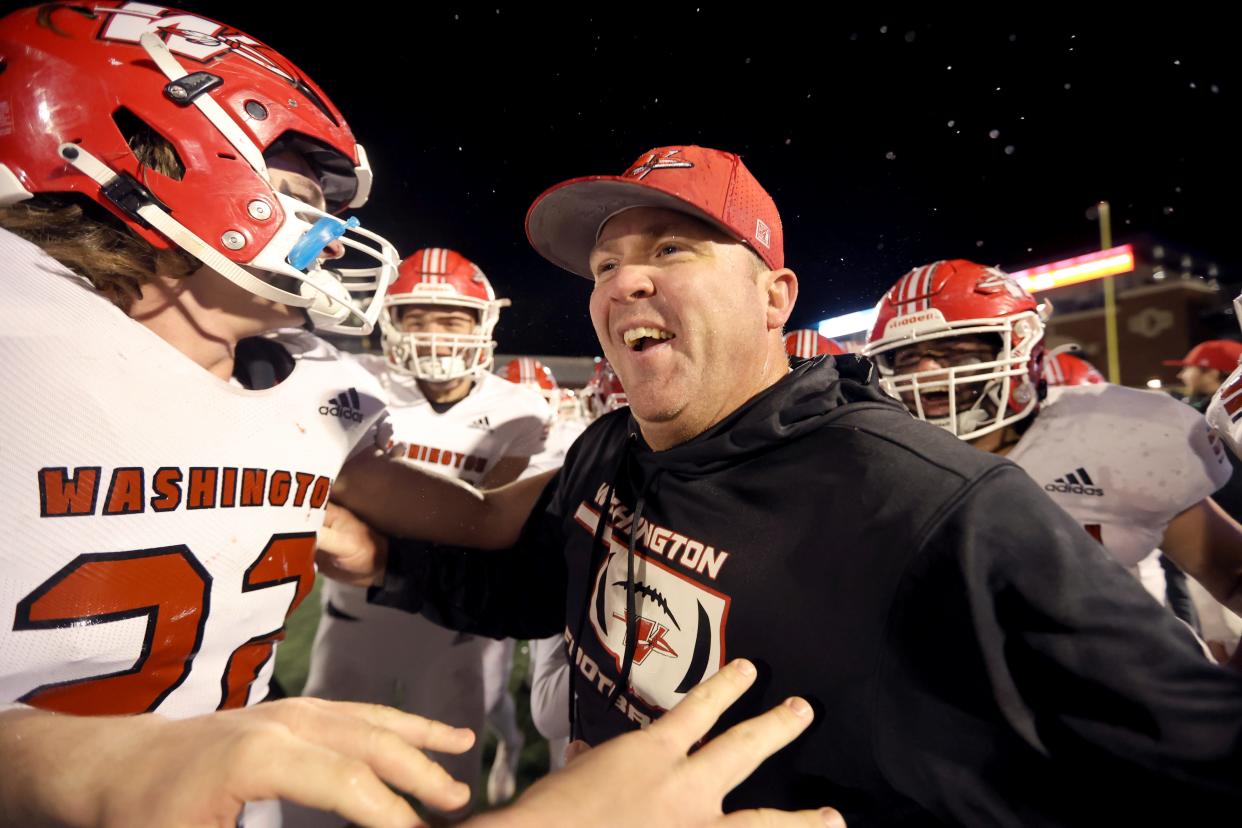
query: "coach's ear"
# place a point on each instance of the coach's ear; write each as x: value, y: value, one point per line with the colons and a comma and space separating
x: 781, y: 287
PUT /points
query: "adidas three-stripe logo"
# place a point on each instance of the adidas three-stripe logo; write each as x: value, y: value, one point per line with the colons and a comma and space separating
x: 482, y: 423
x: 1076, y: 482
x: 345, y: 405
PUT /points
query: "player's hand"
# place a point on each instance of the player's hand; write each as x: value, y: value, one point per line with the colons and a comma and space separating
x: 150, y: 771
x: 645, y: 778
x: 349, y: 550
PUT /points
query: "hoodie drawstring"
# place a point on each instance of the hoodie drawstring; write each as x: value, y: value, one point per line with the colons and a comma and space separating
x: 631, y: 611
x: 599, y: 550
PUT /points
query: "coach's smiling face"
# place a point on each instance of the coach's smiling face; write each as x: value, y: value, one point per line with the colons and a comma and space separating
x: 689, y: 318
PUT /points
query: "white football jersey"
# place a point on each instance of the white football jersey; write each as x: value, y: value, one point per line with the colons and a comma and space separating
x: 466, y: 440
x: 1225, y: 411
x: 497, y: 419
x: 1122, y: 462
x: 158, y: 522
x: 562, y: 434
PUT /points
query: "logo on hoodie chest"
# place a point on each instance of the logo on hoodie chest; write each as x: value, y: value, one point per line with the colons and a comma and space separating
x: 679, y: 630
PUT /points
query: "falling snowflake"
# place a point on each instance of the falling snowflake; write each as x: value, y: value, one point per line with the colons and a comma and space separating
x: 994, y: 134
x: 890, y: 155
x: 1009, y: 150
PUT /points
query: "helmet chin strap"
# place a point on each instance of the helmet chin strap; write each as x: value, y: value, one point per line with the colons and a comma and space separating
x: 182, y: 236
x: 323, y: 289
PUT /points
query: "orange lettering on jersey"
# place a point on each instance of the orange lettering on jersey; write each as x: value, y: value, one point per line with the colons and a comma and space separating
x: 278, y: 489
x: 445, y: 457
x: 59, y: 497
x: 319, y: 495
x: 228, y: 488
x: 167, y: 586
x: 167, y: 484
x: 304, y: 482
x: 287, y: 559
x: 125, y: 492
x: 202, y: 494
x: 254, y: 484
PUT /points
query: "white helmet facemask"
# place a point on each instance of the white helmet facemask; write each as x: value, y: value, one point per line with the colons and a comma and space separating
x: 984, y: 395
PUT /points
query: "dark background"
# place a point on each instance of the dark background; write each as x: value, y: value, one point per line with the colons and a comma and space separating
x: 886, y: 142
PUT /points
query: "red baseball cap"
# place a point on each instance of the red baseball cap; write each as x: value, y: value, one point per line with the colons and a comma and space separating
x: 709, y: 184
x: 1221, y: 354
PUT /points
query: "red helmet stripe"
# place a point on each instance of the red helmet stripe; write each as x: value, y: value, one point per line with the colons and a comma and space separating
x: 912, y: 288
x: 1054, y: 368
x: 909, y: 287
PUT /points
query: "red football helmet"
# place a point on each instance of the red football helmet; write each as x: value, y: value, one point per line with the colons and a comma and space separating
x: 603, y: 392
x: 437, y: 276
x: 80, y: 79
x: 806, y: 343
x: 1224, y: 412
x: 952, y: 299
x: 1062, y: 367
x: 534, y: 374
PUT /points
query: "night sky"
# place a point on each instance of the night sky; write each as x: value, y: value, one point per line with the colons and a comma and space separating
x: 886, y: 142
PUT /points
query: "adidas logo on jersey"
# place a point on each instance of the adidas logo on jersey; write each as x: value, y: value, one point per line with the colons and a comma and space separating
x: 1076, y: 482
x: 346, y: 406
x: 482, y: 423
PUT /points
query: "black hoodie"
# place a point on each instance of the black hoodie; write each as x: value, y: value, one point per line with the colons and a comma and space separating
x: 973, y: 656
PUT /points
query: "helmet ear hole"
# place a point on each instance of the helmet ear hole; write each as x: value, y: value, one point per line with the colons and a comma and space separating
x: 153, y: 150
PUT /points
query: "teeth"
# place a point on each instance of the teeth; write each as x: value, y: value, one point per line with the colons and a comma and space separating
x: 634, y: 334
